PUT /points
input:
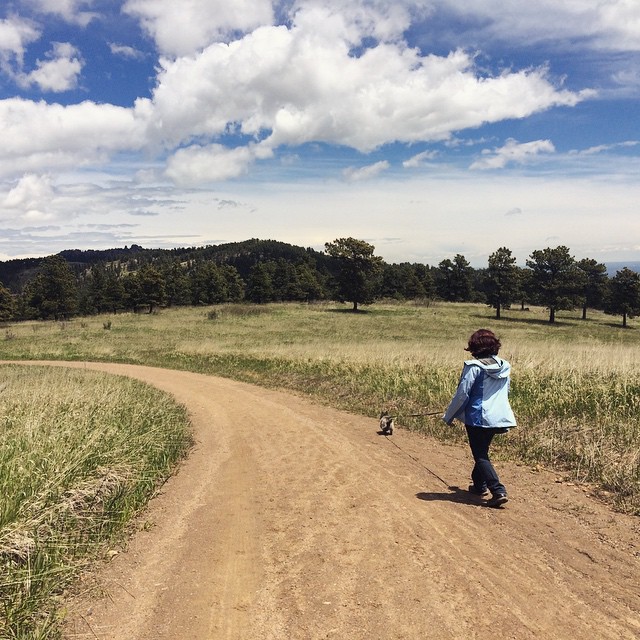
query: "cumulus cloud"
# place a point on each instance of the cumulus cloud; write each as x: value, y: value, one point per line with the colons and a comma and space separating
x: 353, y: 174
x: 37, y: 135
x: 185, y: 27
x: 297, y: 85
x: 213, y: 163
x: 513, y: 152
x: 336, y: 72
x: 15, y: 35
x: 30, y: 194
x: 59, y: 72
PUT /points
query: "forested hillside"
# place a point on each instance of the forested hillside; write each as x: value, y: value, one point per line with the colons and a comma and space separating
x: 79, y: 282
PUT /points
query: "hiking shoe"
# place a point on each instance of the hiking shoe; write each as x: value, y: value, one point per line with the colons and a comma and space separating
x: 497, y: 500
x: 477, y: 492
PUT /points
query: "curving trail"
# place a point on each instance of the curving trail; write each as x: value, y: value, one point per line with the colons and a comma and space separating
x: 295, y: 521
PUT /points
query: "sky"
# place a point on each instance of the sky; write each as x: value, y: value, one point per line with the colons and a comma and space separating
x: 428, y: 128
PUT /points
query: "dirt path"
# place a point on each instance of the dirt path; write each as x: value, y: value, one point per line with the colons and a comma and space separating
x: 295, y: 521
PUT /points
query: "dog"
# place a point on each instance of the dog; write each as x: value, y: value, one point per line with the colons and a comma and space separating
x: 386, y: 424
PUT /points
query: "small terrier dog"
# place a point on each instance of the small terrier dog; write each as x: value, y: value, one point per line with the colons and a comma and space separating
x: 386, y: 424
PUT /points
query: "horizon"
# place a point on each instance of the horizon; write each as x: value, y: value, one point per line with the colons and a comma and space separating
x: 612, y: 266
x: 425, y: 128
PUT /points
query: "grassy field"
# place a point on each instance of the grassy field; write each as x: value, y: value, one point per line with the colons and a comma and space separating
x: 575, y: 392
x: 575, y: 386
x: 80, y: 453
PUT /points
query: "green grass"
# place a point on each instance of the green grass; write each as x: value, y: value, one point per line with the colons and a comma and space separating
x: 80, y: 453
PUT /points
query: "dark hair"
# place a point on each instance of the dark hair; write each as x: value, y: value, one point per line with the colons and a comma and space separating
x: 483, y: 343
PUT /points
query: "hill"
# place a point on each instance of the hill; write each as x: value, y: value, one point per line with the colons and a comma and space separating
x: 242, y: 255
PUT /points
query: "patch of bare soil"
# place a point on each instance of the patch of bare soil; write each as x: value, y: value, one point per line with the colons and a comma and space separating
x: 295, y: 521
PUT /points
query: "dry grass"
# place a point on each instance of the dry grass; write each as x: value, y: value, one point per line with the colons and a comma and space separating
x: 80, y: 453
x: 574, y: 383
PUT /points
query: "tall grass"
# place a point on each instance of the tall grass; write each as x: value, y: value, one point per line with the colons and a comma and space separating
x: 574, y: 386
x: 80, y: 452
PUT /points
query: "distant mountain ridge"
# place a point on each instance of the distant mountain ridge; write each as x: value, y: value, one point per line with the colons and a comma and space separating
x: 613, y: 267
x: 242, y: 255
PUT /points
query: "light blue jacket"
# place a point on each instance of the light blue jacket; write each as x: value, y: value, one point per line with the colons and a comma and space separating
x: 482, y: 396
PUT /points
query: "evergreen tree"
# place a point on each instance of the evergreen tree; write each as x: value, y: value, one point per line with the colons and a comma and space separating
x: 7, y: 304
x: 53, y: 293
x: 176, y: 284
x: 501, y: 283
x: 132, y: 298
x: 454, y: 282
x: 593, y: 284
x: 555, y: 279
x: 310, y: 282
x: 260, y: 284
x: 623, y: 297
x: 359, y: 272
x: 151, y: 283
x: 235, y: 284
x: 286, y: 281
x: 424, y: 273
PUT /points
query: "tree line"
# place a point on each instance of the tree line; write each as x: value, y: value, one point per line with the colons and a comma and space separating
x: 86, y: 283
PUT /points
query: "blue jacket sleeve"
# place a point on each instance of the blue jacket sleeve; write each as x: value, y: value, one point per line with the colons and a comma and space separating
x: 461, y: 397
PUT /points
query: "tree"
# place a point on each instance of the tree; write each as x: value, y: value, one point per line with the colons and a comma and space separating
x: 554, y: 278
x: 260, y: 283
x: 624, y: 295
x: 176, y: 284
x: 7, y: 304
x: 501, y: 283
x: 309, y: 278
x: 151, y: 282
x: 454, y: 279
x: 593, y: 284
x: 235, y: 284
x: 358, y: 270
x: 401, y: 281
x: 53, y: 293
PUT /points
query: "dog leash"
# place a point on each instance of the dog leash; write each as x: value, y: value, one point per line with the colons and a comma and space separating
x: 417, y: 461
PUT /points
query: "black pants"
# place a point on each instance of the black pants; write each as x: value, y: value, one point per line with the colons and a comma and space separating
x: 483, y: 474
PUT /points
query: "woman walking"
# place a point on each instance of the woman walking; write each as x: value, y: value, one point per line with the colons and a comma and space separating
x: 481, y: 402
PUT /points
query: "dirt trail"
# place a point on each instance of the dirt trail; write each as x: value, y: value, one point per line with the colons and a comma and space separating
x: 295, y: 521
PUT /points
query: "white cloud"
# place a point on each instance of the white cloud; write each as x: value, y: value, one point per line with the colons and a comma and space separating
x: 15, y: 35
x: 419, y: 159
x: 353, y: 174
x: 39, y: 136
x: 72, y: 11
x: 59, y: 73
x: 277, y: 86
x: 213, y: 163
x: 513, y: 152
x: 612, y: 25
x: 185, y: 27
x: 124, y: 51
x: 608, y: 147
x: 31, y: 193
x: 302, y: 85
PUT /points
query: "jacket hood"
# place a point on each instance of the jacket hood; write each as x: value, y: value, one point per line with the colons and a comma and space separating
x: 493, y: 366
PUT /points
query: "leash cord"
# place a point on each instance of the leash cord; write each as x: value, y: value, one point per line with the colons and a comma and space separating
x: 424, y: 466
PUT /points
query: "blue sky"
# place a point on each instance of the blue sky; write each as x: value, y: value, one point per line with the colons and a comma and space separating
x: 426, y: 127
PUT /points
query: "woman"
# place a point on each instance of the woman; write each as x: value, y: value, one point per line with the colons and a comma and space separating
x: 482, y: 403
